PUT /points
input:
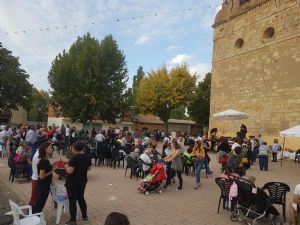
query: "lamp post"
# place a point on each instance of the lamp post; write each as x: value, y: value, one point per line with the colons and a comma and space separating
x: 39, y: 115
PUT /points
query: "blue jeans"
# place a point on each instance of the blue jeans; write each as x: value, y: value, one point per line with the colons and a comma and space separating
x: 198, y: 165
x: 263, y: 162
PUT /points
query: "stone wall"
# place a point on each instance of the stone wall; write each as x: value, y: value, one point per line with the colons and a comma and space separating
x: 256, y: 67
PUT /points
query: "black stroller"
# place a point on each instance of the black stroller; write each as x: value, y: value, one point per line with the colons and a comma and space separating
x: 253, y: 204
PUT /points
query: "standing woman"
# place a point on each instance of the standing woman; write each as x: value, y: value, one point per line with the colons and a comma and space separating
x: 198, y: 155
x: 76, y: 181
x: 45, y: 171
x: 176, y: 165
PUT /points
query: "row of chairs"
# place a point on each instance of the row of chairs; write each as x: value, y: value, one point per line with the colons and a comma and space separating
x: 277, y: 191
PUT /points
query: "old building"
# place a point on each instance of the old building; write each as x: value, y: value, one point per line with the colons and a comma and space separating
x: 13, y: 117
x: 256, y: 65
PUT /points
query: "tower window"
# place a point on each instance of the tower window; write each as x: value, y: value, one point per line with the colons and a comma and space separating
x: 269, y: 33
x: 239, y: 43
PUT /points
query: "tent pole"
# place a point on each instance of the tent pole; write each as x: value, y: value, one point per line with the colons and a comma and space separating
x: 282, y: 151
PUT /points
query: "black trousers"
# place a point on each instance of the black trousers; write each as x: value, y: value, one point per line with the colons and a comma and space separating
x: 170, y: 174
x: 42, y: 196
x: 274, y: 154
x: 76, y: 193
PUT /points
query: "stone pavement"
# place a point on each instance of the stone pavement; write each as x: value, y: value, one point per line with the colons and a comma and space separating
x: 108, y: 190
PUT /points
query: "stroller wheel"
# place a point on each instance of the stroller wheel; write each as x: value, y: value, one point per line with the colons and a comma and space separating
x: 234, y: 216
x: 276, y: 220
x: 146, y: 193
x: 159, y: 191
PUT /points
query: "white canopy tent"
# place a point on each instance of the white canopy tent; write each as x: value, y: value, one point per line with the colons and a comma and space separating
x: 231, y: 114
x: 291, y: 132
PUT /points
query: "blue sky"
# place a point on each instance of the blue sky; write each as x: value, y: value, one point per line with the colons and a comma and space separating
x: 162, y: 32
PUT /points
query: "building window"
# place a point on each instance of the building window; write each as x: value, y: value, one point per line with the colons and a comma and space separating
x: 269, y: 33
x: 239, y: 43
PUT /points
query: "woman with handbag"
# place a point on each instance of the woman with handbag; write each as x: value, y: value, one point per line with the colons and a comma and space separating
x: 174, y: 158
x: 198, y: 156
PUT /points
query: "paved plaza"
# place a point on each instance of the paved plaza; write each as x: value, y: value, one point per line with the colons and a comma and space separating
x: 108, y: 190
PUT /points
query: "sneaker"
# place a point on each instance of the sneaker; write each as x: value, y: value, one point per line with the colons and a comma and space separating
x: 196, y: 186
x: 85, y: 220
x: 70, y: 223
x: 179, y: 189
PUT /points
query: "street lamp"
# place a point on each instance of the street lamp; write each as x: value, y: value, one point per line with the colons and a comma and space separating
x: 39, y: 116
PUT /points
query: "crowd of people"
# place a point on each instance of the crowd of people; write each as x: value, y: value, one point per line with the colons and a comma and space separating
x: 30, y: 148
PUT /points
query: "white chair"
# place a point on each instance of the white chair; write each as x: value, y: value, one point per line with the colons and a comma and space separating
x: 64, y: 204
x: 30, y: 219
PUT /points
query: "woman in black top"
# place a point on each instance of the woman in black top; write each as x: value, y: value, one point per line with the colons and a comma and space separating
x: 76, y: 181
x: 45, y: 171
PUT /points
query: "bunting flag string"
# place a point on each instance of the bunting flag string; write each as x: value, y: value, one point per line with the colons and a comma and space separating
x: 116, y: 20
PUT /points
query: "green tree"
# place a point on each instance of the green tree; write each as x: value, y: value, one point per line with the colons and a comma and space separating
x: 179, y: 113
x: 200, y: 104
x: 89, y: 80
x: 140, y: 74
x: 40, y: 102
x: 163, y: 91
x: 15, y: 89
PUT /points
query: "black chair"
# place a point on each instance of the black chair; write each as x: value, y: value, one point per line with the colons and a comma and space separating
x: 130, y: 164
x: 140, y: 172
x: 224, y: 185
x: 277, y: 192
x: 297, y: 156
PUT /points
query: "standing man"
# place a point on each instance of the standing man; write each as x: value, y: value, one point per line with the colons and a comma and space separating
x: 243, y: 130
x: 99, y: 143
x: 31, y: 139
x: 67, y: 135
x: 76, y: 181
x: 263, y: 156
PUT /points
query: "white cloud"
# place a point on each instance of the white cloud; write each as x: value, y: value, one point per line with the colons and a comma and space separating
x: 200, y: 69
x: 37, y: 49
x: 142, y: 40
x: 180, y: 59
x: 172, y: 48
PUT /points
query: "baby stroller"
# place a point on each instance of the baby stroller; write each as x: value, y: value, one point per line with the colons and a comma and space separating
x: 253, y: 204
x: 154, y: 180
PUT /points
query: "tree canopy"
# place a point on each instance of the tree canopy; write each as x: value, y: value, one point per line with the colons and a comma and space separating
x: 162, y: 91
x: 40, y: 102
x: 15, y: 89
x: 90, y: 80
x: 200, y: 105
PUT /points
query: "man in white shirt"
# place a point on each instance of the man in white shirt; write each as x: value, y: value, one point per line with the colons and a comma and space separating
x: 99, y: 137
x: 99, y: 146
x: 67, y: 139
x: 146, y: 161
x: 235, y: 144
x: 34, y: 179
x: 2, y: 137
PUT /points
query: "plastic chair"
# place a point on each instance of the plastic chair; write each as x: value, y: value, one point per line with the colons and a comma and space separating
x: 277, y: 192
x: 62, y: 202
x: 30, y: 219
x: 224, y: 185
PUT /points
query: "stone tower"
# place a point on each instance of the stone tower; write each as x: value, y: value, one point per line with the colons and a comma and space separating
x: 256, y: 65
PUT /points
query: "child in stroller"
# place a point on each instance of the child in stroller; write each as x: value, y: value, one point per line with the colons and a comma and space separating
x: 154, y: 180
x: 252, y: 204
